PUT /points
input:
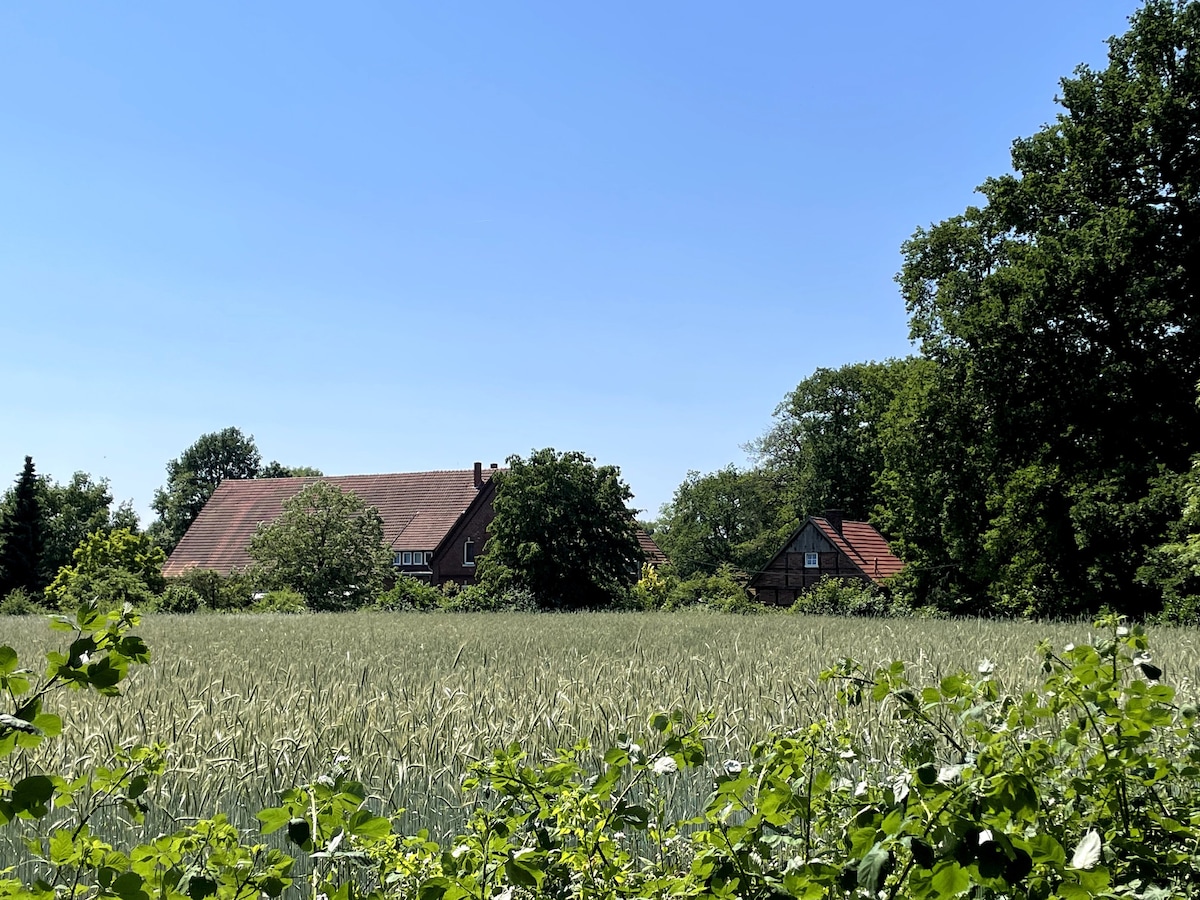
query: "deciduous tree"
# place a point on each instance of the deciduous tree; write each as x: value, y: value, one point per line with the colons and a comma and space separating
x: 562, y: 530
x: 327, y: 544
x: 727, y: 517
x: 192, y: 478
x: 1062, y: 317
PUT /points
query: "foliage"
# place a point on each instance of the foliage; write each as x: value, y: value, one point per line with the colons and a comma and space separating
x: 19, y: 602
x: 72, y: 511
x: 179, y: 598
x: 410, y: 593
x: 825, y: 449
x: 216, y: 591
x: 486, y: 598
x: 1174, y: 566
x: 22, y: 543
x: 280, y: 600
x: 112, y: 568
x: 1062, y: 346
x: 327, y: 545
x: 724, y: 590
x: 653, y: 588
x: 276, y: 469
x: 194, y: 475
x: 562, y: 530
x: 727, y: 516
x: 842, y: 597
x: 1085, y: 788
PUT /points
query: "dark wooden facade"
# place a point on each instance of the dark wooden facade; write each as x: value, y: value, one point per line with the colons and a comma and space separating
x: 824, y: 547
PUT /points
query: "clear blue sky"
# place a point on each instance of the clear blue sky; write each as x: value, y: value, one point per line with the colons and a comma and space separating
x: 396, y: 236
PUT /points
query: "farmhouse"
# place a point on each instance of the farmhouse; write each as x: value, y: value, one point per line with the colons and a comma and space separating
x: 434, y: 522
x: 824, y: 546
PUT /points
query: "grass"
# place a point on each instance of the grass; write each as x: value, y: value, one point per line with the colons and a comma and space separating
x: 252, y: 705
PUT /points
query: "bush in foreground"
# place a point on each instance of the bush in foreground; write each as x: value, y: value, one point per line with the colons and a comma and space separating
x: 1087, y: 788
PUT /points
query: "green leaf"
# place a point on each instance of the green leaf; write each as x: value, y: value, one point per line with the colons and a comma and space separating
x: 48, y: 724
x: 365, y: 825
x: 200, y: 886
x: 273, y: 819
x: 32, y: 794
x: 521, y: 873
x: 950, y: 879
x: 128, y: 886
x: 873, y: 869
x: 433, y: 888
x: 299, y: 832
x: 8, y: 660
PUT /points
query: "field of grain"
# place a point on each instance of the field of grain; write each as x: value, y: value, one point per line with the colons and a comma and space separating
x: 251, y: 705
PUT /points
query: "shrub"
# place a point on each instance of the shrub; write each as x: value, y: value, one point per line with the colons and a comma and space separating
x: 280, y: 600
x: 217, y: 591
x: 114, y: 568
x: 833, y: 596
x: 408, y: 594
x: 723, y: 590
x: 480, y: 598
x: 19, y: 602
x: 654, y: 587
x: 179, y: 598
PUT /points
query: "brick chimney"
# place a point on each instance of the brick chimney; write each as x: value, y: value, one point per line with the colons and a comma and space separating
x: 834, y: 518
x: 478, y: 475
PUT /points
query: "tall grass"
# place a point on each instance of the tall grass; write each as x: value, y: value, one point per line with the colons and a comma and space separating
x: 251, y: 705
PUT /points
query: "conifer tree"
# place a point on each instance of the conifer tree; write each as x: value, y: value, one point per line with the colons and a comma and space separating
x: 21, y: 538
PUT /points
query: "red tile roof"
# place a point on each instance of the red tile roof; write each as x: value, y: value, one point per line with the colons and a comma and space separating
x: 651, y: 550
x: 865, y: 547
x: 418, y: 509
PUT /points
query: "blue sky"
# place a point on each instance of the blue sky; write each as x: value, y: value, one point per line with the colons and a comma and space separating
x: 391, y: 237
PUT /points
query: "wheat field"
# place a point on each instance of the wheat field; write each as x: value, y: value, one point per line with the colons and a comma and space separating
x: 251, y: 705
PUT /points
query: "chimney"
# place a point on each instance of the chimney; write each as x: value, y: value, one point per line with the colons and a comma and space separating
x: 834, y: 518
x: 478, y: 475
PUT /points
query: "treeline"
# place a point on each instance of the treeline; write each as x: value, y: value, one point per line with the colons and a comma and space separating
x: 62, y: 544
x: 1038, y: 455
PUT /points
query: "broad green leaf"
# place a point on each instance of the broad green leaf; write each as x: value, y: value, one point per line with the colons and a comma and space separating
x: 950, y: 879
x: 873, y: 869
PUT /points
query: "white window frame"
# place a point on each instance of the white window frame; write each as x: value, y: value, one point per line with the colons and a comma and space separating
x: 469, y: 552
x: 407, y: 558
x: 812, y: 560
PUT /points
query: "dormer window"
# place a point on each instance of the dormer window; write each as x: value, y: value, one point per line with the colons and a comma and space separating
x: 469, y: 552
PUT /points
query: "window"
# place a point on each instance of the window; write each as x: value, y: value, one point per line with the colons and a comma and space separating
x: 469, y: 553
x: 811, y: 561
x: 407, y: 558
x: 396, y: 559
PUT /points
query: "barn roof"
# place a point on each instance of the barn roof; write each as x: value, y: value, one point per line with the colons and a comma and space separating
x: 650, y: 549
x: 865, y: 547
x: 418, y: 510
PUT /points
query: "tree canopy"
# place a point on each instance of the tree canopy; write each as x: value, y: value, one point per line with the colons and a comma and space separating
x: 1033, y: 458
x: 327, y: 545
x: 562, y: 530
x: 195, y: 474
x: 1060, y: 317
x: 22, y: 543
x: 727, y: 517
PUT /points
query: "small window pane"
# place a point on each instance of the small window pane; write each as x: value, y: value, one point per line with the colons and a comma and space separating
x: 469, y: 553
x: 811, y: 561
x: 407, y: 558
